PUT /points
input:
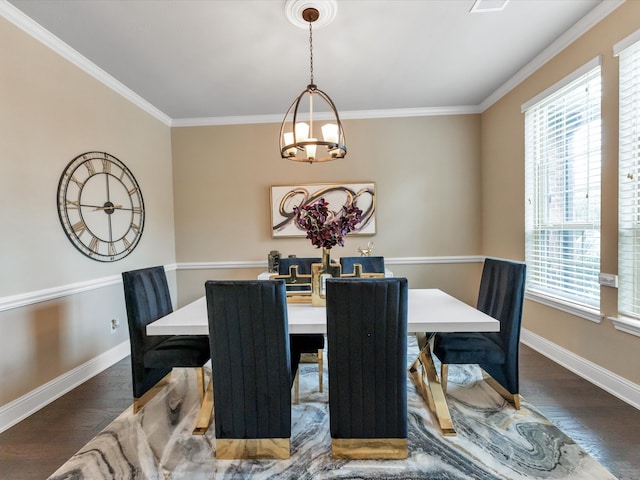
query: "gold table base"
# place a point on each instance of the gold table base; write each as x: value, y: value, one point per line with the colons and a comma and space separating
x: 432, y: 390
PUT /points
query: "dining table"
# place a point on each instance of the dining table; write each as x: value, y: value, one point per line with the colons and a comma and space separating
x: 428, y: 310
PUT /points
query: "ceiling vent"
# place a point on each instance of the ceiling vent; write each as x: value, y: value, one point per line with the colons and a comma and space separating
x: 483, y: 6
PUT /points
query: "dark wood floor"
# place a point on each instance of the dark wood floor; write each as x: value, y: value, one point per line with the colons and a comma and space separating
x: 604, y: 426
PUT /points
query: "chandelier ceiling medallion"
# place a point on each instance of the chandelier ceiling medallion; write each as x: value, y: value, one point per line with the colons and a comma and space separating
x: 299, y: 134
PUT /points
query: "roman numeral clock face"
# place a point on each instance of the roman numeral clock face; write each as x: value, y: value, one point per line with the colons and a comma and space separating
x: 100, y: 206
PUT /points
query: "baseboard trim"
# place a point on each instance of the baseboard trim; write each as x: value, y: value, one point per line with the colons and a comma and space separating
x: 616, y: 385
x: 20, y: 408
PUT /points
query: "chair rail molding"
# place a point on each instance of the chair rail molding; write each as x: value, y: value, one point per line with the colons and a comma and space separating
x: 237, y: 264
x: 37, y: 296
x: 30, y: 298
x: 387, y: 260
x: 434, y: 260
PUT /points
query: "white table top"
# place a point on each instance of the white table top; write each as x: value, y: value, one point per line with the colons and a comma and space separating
x: 429, y: 310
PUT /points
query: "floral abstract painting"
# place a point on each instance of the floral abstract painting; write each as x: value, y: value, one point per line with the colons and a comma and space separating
x: 285, y: 197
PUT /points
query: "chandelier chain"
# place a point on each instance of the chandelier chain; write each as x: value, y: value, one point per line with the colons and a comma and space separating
x: 311, y: 52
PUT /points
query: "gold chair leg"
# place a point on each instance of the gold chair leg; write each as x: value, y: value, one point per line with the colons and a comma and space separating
x: 513, y: 398
x: 320, y: 367
x: 309, y: 358
x: 516, y: 401
x: 296, y: 387
x: 201, y: 386
x: 444, y: 374
x: 369, y: 448
x: 253, y: 448
x: 205, y: 414
x: 139, y: 403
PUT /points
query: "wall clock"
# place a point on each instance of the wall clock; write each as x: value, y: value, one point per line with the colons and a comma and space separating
x: 100, y: 206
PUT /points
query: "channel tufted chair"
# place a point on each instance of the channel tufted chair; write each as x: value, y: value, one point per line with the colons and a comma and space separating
x: 147, y: 299
x: 501, y: 296
x: 367, y: 357
x: 249, y: 338
x: 303, y: 264
x: 369, y: 264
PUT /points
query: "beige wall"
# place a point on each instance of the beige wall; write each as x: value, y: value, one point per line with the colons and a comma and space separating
x: 50, y: 111
x: 446, y: 186
x: 426, y: 171
x: 503, y: 192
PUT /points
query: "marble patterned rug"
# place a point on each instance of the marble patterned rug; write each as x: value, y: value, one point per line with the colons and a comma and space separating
x: 494, y: 441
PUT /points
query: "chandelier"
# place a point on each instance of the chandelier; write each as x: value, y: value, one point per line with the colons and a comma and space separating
x: 299, y: 134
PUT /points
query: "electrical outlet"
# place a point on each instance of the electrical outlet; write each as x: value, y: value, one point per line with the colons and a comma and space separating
x: 115, y: 324
x: 608, y: 280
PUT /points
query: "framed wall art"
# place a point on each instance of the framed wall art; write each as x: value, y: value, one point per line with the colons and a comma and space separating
x: 285, y: 197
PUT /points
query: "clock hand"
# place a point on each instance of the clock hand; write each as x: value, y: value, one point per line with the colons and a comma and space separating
x: 107, y: 207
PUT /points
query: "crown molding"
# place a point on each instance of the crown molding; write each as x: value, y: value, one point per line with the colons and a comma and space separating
x: 25, y: 23
x: 45, y: 37
x: 344, y: 115
x: 235, y: 120
x: 584, y: 25
x: 411, y: 112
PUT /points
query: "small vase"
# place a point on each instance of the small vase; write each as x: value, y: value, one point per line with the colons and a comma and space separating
x: 319, y: 274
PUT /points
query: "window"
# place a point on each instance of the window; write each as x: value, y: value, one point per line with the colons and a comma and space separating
x: 562, y: 190
x: 629, y: 178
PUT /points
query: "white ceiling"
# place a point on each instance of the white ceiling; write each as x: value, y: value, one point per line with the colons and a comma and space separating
x: 208, y: 61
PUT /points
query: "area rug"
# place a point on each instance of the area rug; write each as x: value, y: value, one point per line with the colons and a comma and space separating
x: 494, y: 441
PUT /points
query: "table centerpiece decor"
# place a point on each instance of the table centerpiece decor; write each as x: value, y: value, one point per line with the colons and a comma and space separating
x: 325, y: 230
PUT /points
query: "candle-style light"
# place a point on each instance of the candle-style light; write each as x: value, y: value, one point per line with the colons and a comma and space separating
x: 298, y: 140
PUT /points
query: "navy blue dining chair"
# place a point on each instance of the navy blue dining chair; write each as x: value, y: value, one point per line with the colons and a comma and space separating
x: 369, y: 264
x: 147, y: 299
x: 251, y: 369
x: 501, y: 296
x: 367, y: 357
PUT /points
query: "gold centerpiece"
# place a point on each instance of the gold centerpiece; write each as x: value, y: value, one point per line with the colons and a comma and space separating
x: 325, y: 230
x: 319, y: 274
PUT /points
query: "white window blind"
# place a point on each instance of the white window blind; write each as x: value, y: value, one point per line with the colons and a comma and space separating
x: 562, y: 192
x: 629, y: 183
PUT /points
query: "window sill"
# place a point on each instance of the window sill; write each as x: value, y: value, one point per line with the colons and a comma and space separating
x: 581, y: 311
x: 626, y: 324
